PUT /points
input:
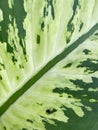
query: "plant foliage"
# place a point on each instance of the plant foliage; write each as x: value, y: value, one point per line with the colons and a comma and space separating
x: 48, y: 64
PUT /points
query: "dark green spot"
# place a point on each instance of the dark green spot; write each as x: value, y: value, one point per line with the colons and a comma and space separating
x: 70, y: 25
x: 51, y: 110
x: 76, y: 3
x: 45, y: 12
x: 14, y: 59
x: 70, y: 29
x: 24, y: 129
x: 69, y: 96
x: 96, y: 34
x: 23, y: 45
x: 38, y: 39
x: 52, y: 10
x: 81, y: 25
x: 9, y: 48
x: 50, y: 3
x: 4, y: 127
x: 86, y: 51
x: 21, y: 66
x: 39, y: 104
x: 67, y: 39
x: 60, y: 90
x: 0, y: 77
x: 17, y: 77
x: 90, y: 65
x: 42, y: 26
x: 28, y: 120
x: 68, y: 65
x: 60, y: 95
x: 2, y: 66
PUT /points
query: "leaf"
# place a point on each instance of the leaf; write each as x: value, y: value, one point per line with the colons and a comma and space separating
x: 48, y: 65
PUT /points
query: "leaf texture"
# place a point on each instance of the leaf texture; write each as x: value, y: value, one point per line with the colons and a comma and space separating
x: 48, y: 65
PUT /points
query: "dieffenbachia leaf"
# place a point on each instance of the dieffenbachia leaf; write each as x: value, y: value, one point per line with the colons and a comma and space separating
x: 48, y: 65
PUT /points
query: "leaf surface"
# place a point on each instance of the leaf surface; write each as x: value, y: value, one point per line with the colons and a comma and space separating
x: 48, y: 65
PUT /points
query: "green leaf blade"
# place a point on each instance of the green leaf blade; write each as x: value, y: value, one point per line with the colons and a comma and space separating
x: 48, y: 65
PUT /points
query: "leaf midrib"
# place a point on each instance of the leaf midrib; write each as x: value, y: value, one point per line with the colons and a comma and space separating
x: 15, y: 96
